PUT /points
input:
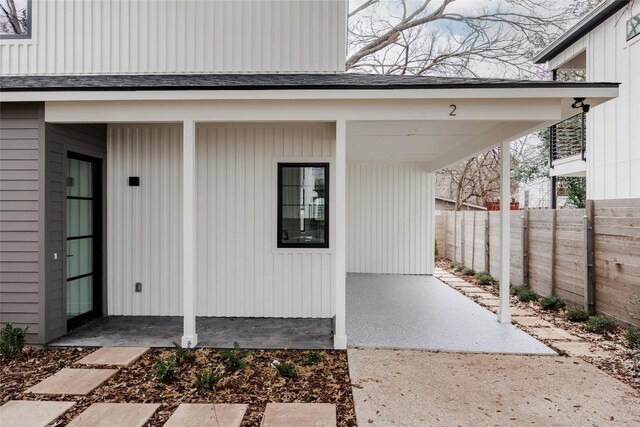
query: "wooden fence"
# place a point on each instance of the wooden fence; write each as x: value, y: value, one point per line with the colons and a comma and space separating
x: 558, y: 252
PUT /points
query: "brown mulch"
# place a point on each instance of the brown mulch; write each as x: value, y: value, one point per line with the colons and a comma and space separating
x: 623, y: 362
x: 327, y: 382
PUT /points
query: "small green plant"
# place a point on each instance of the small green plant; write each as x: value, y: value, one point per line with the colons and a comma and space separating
x: 576, y: 314
x: 436, y: 251
x: 11, y: 340
x: 552, y: 303
x: 453, y: 265
x: 183, y: 354
x: 312, y: 358
x: 459, y: 267
x: 165, y: 371
x: 485, y: 278
x: 208, y: 379
x: 516, y: 289
x: 526, y: 295
x: 235, y: 359
x: 633, y: 337
x: 601, y: 324
x: 467, y: 271
x: 287, y: 370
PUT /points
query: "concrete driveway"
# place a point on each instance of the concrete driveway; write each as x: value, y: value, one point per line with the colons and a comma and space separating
x: 421, y: 312
x: 422, y: 388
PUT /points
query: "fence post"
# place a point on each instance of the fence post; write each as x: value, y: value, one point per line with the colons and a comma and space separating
x: 553, y: 252
x: 445, y: 220
x: 525, y: 247
x: 455, y: 235
x: 589, y: 259
x: 463, y: 242
x: 487, y: 245
x: 473, y: 242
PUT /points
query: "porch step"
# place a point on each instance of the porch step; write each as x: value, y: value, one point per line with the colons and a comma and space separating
x: 32, y: 413
x: 73, y: 381
x: 115, y: 414
x: 207, y: 415
x: 117, y: 356
x: 299, y: 414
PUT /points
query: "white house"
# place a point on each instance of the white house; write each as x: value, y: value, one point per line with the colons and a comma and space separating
x: 212, y: 158
x: 605, y: 45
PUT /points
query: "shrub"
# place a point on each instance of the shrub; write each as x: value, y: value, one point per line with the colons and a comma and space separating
x: 453, y: 265
x: 601, y: 324
x: 552, y: 303
x: 208, y: 379
x: 467, y: 271
x: 183, y: 354
x: 287, y: 370
x: 485, y: 278
x: 633, y: 337
x: 165, y: 370
x: 235, y: 359
x: 11, y: 340
x: 516, y: 289
x: 312, y: 359
x: 459, y: 267
x: 525, y: 295
x: 576, y: 314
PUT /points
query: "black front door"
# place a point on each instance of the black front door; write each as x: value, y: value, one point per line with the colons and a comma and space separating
x: 84, y: 239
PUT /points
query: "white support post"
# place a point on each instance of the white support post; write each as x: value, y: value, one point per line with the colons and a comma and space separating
x: 504, y: 314
x: 431, y: 222
x: 340, y: 250
x: 189, y: 336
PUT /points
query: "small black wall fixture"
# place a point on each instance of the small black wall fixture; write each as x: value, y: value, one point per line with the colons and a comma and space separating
x: 579, y: 103
x: 134, y: 181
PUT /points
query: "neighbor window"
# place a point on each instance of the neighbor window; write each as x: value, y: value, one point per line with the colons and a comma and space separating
x: 15, y: 19
x: 303, y: 205
x: 633, y: 27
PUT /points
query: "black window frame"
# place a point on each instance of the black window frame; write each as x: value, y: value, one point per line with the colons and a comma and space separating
x: 25, y: 36
x: 327, y: 170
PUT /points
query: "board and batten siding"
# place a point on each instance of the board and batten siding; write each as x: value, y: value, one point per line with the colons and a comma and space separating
x: 21, y: 217
x: 180, y: 36
x: 239, y: 270
x: 388, y: 226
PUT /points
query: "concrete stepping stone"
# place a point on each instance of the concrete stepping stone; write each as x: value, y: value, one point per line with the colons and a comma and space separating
x: 207, y: 415
x: 521, y: 312
x: 532, y: 321
x: 115, y: 414
x: 580, y: 349
x: 73, y: 381
x: 299, y: 414
x: 119, y: 356
x: 553, y: 334
x: 32, y: 413
x: 489, y: 302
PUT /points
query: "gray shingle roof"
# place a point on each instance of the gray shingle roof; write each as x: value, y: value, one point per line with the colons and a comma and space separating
x: 263, y: 82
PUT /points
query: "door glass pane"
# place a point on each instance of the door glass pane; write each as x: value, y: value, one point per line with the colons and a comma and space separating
x: 79, y: 217
x: 79, y: 296
x: 79, y: 178
x: 79, y: 257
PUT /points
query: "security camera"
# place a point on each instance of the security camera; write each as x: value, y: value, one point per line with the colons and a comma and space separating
x: 579, y: 103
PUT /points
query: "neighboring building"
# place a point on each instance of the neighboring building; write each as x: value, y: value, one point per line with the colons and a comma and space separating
x: 606, y: 46
x: 443, y: 204
x: 187, y: 158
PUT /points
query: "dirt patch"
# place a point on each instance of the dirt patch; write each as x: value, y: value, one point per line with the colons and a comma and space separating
x: 327, y: 381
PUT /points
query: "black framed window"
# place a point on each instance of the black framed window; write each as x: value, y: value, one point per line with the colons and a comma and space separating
x: 303, y: 205
x: 15, y: 19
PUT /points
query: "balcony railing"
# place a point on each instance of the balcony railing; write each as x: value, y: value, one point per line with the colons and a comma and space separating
x: 568, y: 138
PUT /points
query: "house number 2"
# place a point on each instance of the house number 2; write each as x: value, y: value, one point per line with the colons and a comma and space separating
x: 453, y: 109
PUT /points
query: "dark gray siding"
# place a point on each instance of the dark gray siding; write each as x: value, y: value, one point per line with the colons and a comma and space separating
x: 84, y: 139
x: 21, y: 216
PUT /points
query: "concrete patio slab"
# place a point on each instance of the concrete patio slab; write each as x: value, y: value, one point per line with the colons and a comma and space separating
x: 115, y: 414
x: 421, y: 312
x: 553, y: 334
x: 73, y: 381
x: 299, y: 414
x: 580, y: 349
x: 411, y: 388
x: 532, y: 321
x: 207, y: 415
x: 118, y: 356
x: 32, y: 413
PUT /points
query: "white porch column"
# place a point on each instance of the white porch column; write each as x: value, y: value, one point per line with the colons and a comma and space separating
x: 504, y: 315
x: 431, y: 222
x: 340, y: 229
x: 189, y: 336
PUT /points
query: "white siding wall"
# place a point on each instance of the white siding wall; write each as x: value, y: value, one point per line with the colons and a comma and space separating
x: 239, y: 270
x: 180, y: 36
x: 387, y: 219
x: 144, y: 232
x: 613, y: 129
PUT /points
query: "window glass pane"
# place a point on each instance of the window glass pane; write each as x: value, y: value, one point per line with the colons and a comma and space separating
x: 79, y: 178
x: 302, y: 201
x: 79, y: 257
x: 79, y: 217
x: 79, y: 296
x: 15, y: 19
